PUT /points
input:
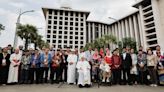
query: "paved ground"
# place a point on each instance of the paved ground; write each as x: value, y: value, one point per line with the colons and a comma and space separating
x: 73, y: 88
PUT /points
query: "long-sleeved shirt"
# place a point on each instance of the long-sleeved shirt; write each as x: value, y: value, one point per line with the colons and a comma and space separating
x: 44, y: 59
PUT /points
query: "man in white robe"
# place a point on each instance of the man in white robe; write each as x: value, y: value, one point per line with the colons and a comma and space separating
x: 84, y: 67
x: 72, y: 60
x: 15, y: 60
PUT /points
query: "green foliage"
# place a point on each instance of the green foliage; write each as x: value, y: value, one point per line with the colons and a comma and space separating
x: 102, y: 42
x: 2, y: 27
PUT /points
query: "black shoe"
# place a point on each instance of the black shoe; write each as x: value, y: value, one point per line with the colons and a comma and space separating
x: 87, y: 86
x: 80, y: 86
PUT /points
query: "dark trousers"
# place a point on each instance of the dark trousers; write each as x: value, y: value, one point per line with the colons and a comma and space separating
x: 126, y: 76
x: 24, y: 76
x: 4, y: 75
x: 134, y: 78
x: 36, y: 72
x: 56, y: 72
x: 153, y: 75
x: 63, y: 69
x: 116, y: 76
x: 142, y: 77
x: 44, y: 71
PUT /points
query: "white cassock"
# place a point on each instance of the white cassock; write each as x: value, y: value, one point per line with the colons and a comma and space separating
x: 71, y: 68
x: 84, y: 72
x: 13, y: 71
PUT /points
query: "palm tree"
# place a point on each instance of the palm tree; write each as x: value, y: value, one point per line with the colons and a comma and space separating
x: 27, y: 32
x: 109, y: 39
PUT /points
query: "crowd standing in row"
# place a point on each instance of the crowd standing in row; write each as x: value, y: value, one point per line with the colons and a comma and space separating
x: 82, y: 68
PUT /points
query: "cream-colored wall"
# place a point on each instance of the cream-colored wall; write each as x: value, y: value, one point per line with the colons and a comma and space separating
x: 161, y: 14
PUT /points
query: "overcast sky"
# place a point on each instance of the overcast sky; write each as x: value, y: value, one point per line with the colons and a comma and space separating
x: 100, y: 11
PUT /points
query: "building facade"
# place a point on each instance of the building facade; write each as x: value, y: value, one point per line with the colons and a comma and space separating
x: 67, y: 27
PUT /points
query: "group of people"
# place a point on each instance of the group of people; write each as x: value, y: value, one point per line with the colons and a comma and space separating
x: 81, y: 67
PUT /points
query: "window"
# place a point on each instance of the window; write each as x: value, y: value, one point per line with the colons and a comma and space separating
x: 49, y: 22
x: 76, y: 42
x: 65, y: 41
x: 61, y: 12
x: 71, y: 28
x: 59, y: 41
x: 76, y: 24
x: 61, y: 18
x: 65, y: 32
x: 50, y: 11
x: 81, y: 38
x: 71, y: 23
x: 71, y: 32
x: 49, y: 27
x: 54, y: 27
x: 48, y: 41
x: 56, y: 12
x: 77, y: 19
x: 76, y: 33
x: 81, y: 33
x: 60, y: 32
x: 50, y: 17
x: 81, y: 24
x: 66, y: 28
x: 81, y: 29
x: 48, y: 36
x: 54, y: 41
x: 55, y: 17
x: 71, y: 13
x: 54, y: 36
x: 60, y: 37
x: 66, y: 18
x: 60, y: 27
x: 65, y: 46
x: 76, y: 37
x: 71, y: 37
x: 77, y: 14
x: 81, y: 42
x: 66, y: 13
x: 71, y: 19
x: 76, y: 46
x: 49, y: 31
x: 82, y: 15
x: 81, y: 19
x: 54, y: 31
x: 55, y: 22
x: 66, y: 23
x: 60, y: 23
x: 70, y: 42
x: 76, y: 28
x: 65, y: 37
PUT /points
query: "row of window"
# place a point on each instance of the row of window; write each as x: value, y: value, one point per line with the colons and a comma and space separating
x: 66, y: 18
x: 65, y: 37
x: 66, y: 13
x: 66, y: 23
x: 66, y: 28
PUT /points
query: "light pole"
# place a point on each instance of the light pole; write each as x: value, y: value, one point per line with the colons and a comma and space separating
x: 117, y: 21
x: 17, y: 24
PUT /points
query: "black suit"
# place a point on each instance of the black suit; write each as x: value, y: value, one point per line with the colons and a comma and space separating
x: 4, y: 69
x: 126, y: 66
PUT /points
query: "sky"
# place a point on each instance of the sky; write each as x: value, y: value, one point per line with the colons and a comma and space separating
x: 100, y: 11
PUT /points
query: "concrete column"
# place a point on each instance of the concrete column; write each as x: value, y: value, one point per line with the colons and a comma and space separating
x: 136, y: 31
x: 131, y: 28
x: 89, y: 32
x: 126, y: 28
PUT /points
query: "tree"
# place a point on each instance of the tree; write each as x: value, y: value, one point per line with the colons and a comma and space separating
x: 128, y: 41
x: 109, y: 39
x: 102, y: 42
x: 27, y: 32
